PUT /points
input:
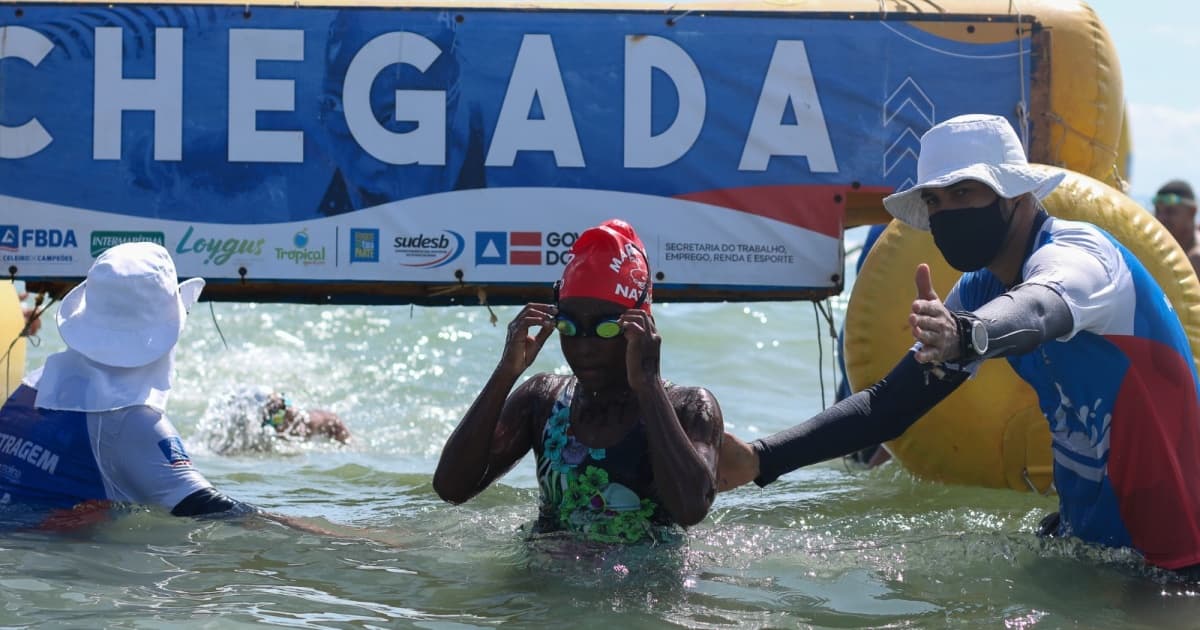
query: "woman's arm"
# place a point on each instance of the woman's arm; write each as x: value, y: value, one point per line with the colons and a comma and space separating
x: 683, y: 451
x: 495, y: 433
x: 682, y: 447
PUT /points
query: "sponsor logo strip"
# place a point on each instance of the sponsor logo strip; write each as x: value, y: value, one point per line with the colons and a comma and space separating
x: 525, y: 248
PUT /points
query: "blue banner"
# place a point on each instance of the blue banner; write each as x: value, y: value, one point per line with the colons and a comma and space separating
x: 277, y: 139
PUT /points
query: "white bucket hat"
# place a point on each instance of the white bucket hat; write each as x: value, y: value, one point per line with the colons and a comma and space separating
x: 130, y: 310
x: 978, y: 147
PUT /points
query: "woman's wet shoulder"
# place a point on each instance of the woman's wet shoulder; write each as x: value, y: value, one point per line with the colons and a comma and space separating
x: 690, y: 398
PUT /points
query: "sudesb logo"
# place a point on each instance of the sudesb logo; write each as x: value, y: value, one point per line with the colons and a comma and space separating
x: 421, y: 250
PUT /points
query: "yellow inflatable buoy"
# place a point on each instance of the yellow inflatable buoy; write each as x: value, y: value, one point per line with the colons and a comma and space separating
x: 12, y: 344
x: 990, y: 432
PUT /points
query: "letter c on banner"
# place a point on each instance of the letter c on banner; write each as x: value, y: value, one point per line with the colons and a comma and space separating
x: 28, y: 45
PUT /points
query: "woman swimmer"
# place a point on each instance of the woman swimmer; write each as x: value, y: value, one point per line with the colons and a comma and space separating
x: 619, y: 451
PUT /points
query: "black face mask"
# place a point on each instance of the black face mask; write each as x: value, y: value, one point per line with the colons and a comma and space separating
x: 970, y: 238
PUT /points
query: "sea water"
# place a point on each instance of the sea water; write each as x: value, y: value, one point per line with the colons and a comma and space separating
x: 827, y: 546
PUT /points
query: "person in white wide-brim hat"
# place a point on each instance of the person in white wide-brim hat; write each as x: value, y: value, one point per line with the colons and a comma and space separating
x: 89, y: 428
x: 1075, y: 314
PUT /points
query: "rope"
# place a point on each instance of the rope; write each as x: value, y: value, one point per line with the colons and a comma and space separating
x: 820, y: 355
x: 825, y: 310
x: 482, y: 295
x: 1023, y: 105
x: 213, y: 312
x: 1055, y: 118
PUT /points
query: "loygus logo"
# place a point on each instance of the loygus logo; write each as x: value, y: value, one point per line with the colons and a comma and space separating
x: 301, y: 254
x: 428, y: 250
x: 218, y: 251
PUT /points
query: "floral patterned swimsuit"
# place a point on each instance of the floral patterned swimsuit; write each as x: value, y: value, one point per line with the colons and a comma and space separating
x: 577, y: 494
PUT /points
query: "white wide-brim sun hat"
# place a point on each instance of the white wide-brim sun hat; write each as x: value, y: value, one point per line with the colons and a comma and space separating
x: 130, y: 310
x: 977, y: 147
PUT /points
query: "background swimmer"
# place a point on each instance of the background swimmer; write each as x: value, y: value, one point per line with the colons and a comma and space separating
x: 257, y: 419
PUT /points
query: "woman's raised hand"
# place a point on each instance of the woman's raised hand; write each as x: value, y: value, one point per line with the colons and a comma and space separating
x: 642, y: 348
x: 520, y: 349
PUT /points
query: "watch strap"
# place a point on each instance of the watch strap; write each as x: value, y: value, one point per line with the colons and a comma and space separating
x: 965, y: 320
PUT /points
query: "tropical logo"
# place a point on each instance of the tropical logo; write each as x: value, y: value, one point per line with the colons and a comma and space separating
x: 301, y: 254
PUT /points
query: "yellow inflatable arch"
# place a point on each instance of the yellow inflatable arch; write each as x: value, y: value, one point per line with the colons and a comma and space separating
x: 990, y: 432
x: 11, y: 343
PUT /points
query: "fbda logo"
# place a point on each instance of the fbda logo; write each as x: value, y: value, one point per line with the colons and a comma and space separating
x: 13, y: 238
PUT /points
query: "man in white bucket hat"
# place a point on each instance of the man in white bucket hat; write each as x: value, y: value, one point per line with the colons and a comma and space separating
x: 88, y: 429
x: 1075, y: 314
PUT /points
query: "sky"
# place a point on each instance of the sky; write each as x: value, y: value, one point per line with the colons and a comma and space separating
x: 1158, y: 43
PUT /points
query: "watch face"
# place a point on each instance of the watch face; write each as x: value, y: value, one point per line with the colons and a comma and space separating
x: 979, y: 337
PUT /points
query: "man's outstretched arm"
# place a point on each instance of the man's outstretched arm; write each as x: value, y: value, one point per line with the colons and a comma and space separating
x: 877, y: 414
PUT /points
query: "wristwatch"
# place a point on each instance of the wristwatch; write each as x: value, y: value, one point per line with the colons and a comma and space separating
x: 972, y: 336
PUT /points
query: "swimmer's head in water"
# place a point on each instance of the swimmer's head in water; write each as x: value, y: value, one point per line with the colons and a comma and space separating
x: 275, y: 412
x: 608, y: 262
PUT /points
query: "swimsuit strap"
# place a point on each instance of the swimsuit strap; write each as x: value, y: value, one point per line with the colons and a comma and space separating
x: 556, y: 438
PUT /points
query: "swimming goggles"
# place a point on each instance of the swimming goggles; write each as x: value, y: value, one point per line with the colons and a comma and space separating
x: 604, y: 329
x: 277, y: 418
x: 1173, y: 199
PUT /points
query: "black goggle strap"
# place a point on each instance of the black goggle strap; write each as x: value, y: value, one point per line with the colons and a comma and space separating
x: 645, y: 286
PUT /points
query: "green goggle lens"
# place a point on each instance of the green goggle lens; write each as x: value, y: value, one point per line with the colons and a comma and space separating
x: 276, y: 419
x: 565, y: 327
x: 1172, y: 199
x: 606, y: 329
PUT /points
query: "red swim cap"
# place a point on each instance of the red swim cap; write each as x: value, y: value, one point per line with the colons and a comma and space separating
x: 608, y: 262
